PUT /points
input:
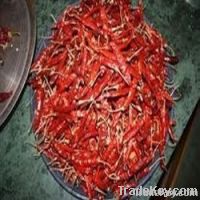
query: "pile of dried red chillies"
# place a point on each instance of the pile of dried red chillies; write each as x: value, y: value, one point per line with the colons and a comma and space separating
x: 102, y: 114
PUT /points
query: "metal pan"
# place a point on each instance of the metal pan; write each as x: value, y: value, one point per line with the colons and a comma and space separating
x: 19, y: 16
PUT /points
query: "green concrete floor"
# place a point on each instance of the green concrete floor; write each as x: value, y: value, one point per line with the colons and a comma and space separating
x: 24, y: 176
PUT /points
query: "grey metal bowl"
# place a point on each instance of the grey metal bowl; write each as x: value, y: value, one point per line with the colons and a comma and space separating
x: 17, y: 15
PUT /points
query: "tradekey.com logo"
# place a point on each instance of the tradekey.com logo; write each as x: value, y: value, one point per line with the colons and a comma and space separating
x: 154, y: 191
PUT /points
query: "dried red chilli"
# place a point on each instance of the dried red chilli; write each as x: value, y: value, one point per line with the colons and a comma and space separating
x: 102, y: 106
x: 5, y: 36
x: 4, y: 96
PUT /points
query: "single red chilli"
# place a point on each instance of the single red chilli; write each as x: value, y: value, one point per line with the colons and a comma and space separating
x: 5, y: 36
x: 102, y: 109
x: 4, y: 96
